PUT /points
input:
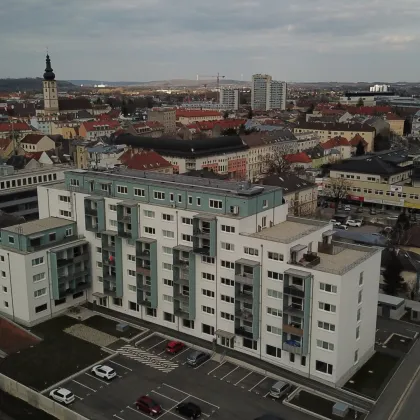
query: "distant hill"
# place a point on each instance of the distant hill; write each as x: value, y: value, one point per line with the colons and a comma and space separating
x: 160, y: 83
x: 30, y: 84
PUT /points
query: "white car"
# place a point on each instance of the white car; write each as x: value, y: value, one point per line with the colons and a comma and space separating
x: 62, y: 395
x: 354, y: 223
x: 347, y: 208
x: 342, y: 227
x: 104, y: 372
x: 334, y: 222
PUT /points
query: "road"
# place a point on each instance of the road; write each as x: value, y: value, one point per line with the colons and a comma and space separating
x: 409, y: 407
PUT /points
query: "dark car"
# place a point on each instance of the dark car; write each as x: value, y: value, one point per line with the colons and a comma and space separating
x: 173, y: 347
x: 149, y: 406
x: 268, y: 417
x: 189, y: 409
x: 196, y: 358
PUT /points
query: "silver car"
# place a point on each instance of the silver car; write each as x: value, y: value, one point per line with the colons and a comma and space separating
x: 279, y: 389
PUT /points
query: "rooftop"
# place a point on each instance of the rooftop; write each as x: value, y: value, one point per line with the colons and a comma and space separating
x: 37, y: 226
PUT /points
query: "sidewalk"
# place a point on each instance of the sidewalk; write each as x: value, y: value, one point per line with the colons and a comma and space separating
x: 310, y: 383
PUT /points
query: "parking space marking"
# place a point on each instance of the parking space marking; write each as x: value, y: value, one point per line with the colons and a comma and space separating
x: 190, y: 395
x: 240, y: 380
x: 233, y: 370
x: 179, y: 354
x: 202, y: 364
x: 217, y: 367
x: 83, y: 385
x: 164, y: 396
x: 170, y: 410
x: 94, y: 377
x: 118, y: 417
x: 118, y: 364
x: 265, y: 377
x: 160, y: 342
x: 138, y: 412
x: 80, y: 398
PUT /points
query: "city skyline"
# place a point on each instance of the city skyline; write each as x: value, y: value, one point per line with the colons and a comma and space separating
x: 158, y: 40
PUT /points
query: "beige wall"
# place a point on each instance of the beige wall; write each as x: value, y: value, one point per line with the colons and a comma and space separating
x: 302, y: 203
x: 43, y: 145
x: 397, y: 126
x: 166, y: 117
x: 190, y: 120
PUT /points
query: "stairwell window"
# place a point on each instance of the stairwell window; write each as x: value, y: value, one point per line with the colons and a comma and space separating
x: 139, y: 192
x: 168, y: 234
x: 122, y: 189
x: 159, y: 195
x: 327, y: 307
x: 215, y: 204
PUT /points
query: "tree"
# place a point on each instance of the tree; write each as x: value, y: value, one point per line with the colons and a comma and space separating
x: 98, y: 101
x: 337, y: 189
x: 226, y: 115
x: 250, y: 114
x: 360, y: 102
x: 394, y: 283
x: 229, y: 132
x: 360, y: 149
x: 275, y: 164
x: 124, y: 108
x: 311, y: 108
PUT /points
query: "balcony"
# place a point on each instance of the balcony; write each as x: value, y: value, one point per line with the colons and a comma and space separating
x: 245, y: 278
x: 181, y: 281
x: 91, y: 211
x: 109, y: 262
x: 110, y: 291
x: 182, y: 312
x: 294, y: 291
x: 244, y: 332
x: 126, y: 218
x: 143, y: 255
x: 202, y: 251
x: 295, y: 310
x: 144, y: 287
x: 143, y: 299
x: 82, y: 285
x: 109, y: 246
x: 38, y: 246
x: 244, y: 297
x: 125, y: 233
x: 292, y: 347
x: 71, y: 276
x: 182, y: 264
x: 144, y: 270
x: 294, y: 329
x: 112, y: 278
x: 181, y: 297
x: 202, y: 233
x: 244, y: 314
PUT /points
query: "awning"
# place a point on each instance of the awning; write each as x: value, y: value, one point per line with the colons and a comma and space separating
x: 36, y: 236
x: 99, y: 295
x: 183, y: 248
x: 298, y: 248
x: 245, y: 261
x: 297, y: 273
x: 328, y: 233
x: 225, y: 334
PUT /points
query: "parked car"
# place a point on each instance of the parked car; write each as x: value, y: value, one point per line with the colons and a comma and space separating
x: 62, y: 395
x: 359, y: 220
x: 372, y: 211
x: 342, y: 227
x: 335, y: 222
x: 347, y: 207
x: 149, y: 406
x: 104, y: 372
x: 268, y: 417
x: 196, y: 358
x: 173, y: 347
x: 279, y: 389
x: 359, y: 210
x: 392, y: 217
x: 189, y: 409
x: 354, y: 223
x: 340, y: 206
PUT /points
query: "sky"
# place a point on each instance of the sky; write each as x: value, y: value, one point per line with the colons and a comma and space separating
x: 144, y: 40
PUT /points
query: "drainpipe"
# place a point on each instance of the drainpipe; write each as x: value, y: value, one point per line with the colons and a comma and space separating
x: 49, y: 280
x: 261, y: 297
x: 11, y: 287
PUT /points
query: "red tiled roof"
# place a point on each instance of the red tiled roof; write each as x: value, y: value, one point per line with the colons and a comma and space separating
x: 224, y: 124
x: 393, y: 117
x: 144, y: 161
x: 334, y: 142
x: 14, y: 338
x: 33, y: 138
x: 103, y: 117
x: 17, y: 126
x: 357, y: 139
x: 4, y: 143
x: 34, y: 155
x: 196, y: 113
x: 369, y: 110
x: 100, y: 125
x: 114, y: 113
x: 149, y: 124
x: 301, y: 157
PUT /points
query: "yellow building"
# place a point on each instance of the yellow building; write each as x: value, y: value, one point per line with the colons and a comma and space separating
x: 396, y: 123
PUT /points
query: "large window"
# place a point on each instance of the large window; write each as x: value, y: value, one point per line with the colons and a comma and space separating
x: 273, y: 351
x: 216, y: 204
x: 323, y: 367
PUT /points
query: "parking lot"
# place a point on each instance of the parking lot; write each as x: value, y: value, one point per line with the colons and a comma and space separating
x: 207, y: 385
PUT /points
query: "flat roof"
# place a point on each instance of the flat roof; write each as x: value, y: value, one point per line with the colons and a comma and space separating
x: 390, y: 300
x: 37, y: 226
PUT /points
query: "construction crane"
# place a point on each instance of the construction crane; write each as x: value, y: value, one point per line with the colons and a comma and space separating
x: 218, y: 77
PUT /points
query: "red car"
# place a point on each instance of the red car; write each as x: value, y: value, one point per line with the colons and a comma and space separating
x: 149, y: 406
x: 174, y: 347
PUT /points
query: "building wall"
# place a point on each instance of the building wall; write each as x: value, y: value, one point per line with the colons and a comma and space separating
x: 229, y: 98
x: 260, y: 92
x: 50, y: 97
x: 166, y: 117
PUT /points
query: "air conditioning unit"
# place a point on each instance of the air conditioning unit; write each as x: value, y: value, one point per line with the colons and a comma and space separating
x: 259, y: 228
x: 234, y: 210
x: 271, y: 223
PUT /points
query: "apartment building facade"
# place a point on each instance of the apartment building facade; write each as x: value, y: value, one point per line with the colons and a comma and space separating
x: 222, y: 261
x: 229, y: 98
x: 165, y: 116
x: 267, y: 93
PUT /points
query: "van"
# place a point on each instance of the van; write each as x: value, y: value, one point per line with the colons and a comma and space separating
x: 279, y: 389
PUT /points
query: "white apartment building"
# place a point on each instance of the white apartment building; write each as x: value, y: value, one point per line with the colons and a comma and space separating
x: 267, y: 93
x: 222, y: 261
x: 229, y: 98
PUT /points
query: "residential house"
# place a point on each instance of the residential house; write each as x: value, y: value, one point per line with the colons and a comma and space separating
x: 16, y: 130
x: 338, y: 148
x: 6, y: 147
x: 396, y: 123
x: 299, y: 161
x: 145, y: 160
x: 37, y: 143
x: 94, y: 130
x: 306, y: 141
x: 191, y: 116
x: 166, y: 117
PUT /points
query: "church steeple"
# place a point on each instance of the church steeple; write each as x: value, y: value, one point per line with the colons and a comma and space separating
x: 49, y: 74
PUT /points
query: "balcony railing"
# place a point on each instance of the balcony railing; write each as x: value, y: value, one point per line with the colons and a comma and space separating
x: 144, y: 286
x: 292, y: 347
x: 143, y: 255
x: 310, y: 259
x: 295, y: 291
x: 53, y: 244
x: 245, y: 278
x: 244, y: 297
x: 91, y: 211
x: 182, y: 264
x: 112, y: 278
x: 295, y: 310
x: 244, y: 314
x: 202, y: 250
x: 181, y: 281
x: 110, y: 292
x: 144, y: 270
x: 181, y: 297
x: 202, y: 233
x: 294, y: 329
x: 244, y: 332
x: 109, y: 246
x: 108, y: 261
x: 125, y: 233
x: 126, y: 218
x: 182, y: 312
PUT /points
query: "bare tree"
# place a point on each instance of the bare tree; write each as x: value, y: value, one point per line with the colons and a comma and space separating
x: 337, y: 189
x: 275, y: 164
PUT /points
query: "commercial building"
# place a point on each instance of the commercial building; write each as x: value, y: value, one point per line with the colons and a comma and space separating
x: 415, y: 127
x: 165, y: 116
x: 229, y: 98
x: 222, y: 261
x: 267, y: 93
x: 189, y: 116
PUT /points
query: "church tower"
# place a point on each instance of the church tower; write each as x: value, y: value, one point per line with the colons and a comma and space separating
x: 50, y: 90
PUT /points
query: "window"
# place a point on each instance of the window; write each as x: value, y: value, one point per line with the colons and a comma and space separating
x: 227, y: 246
x: 168, y: 298
x: 179, y: 198
x: 292, y: 357
x: 40, y: 292
x: 113, y: 223
x: 149, y: 213
x: 303, y: 360
x: 171, y: 197
x: 159, y: 195
x: 273, y: 351
x: 132, y: 288
x: 324, y: 345
x: 11, y: 239
x: 38, y: 277
x: 215, y: 204
x: 207, y: 293
x: 186, y: 221
x: 249, y: 344
x: 167, y: 250
x: 275, y: 276
x: 133, y: 306
x: 226, y: 315
x: 187, y: 323
x: 274, y: 312
x: 73, y: 182
x: 149, y: 230
x: 112, y: 207
x: 65, y: 213
x: 361, y: 279
x: 357, y: 332
x: 323, y: 367
x: 37, y: 261
x: 207, y: 260
x: 98, y: 264
x: 190, y: 200
x: 328, y: 288
x: 139, y: 192
x: 227, y: 264
x: 3, y: 274
x: 69, y: 232
x: 168, y: 282
x: 151, y: 312
x: 227, y: 282
x: 264, y: 221
x: 274, y: 294
x: 121, y: 189
x: 198, y: 200
x: 186, y: 238
x: 168, y: 234
x: 4, y: 288
x: 41, y: 308
x: 359, y: 314
x: 207, y: 276
x: 265, y: 204
x: 359, y: 298
x: 275, y: 256
x: 327, y: 307
x: 274, y: 330
x: 228, y: 229
x: 228, y: 299
x: 207, y: 309
x: 2, y: 258
x: 6, y: 304
x: 131, y: 273
x: 356, y: 356
x: 131, y: 257
x: 117, y: 301
x: 326, y: 326
x: 64, y: 198
x: 167, y: 266
x: 168, y: 217
x: 251, y: 251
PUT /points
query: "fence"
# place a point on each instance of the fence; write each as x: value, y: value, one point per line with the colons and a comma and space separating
x: 37, y: 400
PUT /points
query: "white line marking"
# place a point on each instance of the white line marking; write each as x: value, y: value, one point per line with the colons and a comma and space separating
x: 217, y: 367
x: 80, y: 398
x: 160, y: 342
x: 170, y: 410
x: 94, y: 377
x: 265, y: 396
x: 164, y: 351
x: 94, y: 390
x: 118, y: 417
x: 229, y: 373
x: 192, y: 396
x: 243, y: 378
x: 118, y: 364
x: 179, y: 354
x: 265, y: 377
x: 202, y: 364
x: 138, y: 412
x: 164, y: 396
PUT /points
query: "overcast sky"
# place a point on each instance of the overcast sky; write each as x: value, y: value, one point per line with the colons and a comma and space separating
x: 142, y: 40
